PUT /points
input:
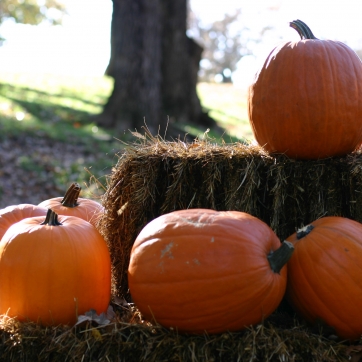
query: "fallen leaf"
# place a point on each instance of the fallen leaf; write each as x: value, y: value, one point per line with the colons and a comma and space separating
x: 96, y: 334
x: 92, y: 316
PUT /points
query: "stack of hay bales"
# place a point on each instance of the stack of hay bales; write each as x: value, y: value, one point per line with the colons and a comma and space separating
x: 154, y: 177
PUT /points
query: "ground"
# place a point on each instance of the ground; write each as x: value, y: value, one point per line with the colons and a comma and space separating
x: 27, y: 166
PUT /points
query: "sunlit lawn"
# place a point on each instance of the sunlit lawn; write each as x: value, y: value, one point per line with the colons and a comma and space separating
x: 60, y: 108
x: 227, y: 105
x: 57, y: 105
x: 41, y: 101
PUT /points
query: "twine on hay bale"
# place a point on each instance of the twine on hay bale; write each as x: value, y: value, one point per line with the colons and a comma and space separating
x: 153, y: 177
x: 138, y: 341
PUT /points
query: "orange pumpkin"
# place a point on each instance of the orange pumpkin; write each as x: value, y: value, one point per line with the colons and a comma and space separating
x: 14, y: 213
x: 53, y: 269
x: 325, y: 274
x: 201, y: 270
x: 306, y: 100
x: 72, y: 205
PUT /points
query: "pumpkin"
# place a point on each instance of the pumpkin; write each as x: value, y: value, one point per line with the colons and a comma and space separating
x: 306, y: 100
x: 72, y: 205
x: 200, y: 270
x: 325, y: 274
x: 14, y: 213
x: 53, y: 269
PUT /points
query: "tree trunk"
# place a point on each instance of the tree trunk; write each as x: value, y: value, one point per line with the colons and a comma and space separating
x: 135, y: 65
x: 154, y: 66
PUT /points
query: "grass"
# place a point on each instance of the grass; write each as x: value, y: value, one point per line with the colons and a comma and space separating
x: 227, y: 105
x: 59, y: 108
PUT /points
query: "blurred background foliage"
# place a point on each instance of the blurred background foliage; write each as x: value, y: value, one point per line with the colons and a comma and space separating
x: 32, y: 12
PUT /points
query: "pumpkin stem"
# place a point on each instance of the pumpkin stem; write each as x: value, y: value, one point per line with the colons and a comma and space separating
x: 71, y: 196
x: 304, y: 231
x: 278, y: 258
x: 302, y: 29
x: 51, y: 219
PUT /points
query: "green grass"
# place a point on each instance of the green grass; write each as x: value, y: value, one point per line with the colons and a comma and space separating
x: 227, y: 105
x: 60, y: 108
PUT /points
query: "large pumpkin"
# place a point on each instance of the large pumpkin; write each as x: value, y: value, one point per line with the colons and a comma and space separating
x: 201, y: 270
x: 14, y: 213
x: 53, y: 269
x: 325, y: 274
x: 306, y: 101
x: 73, y: 205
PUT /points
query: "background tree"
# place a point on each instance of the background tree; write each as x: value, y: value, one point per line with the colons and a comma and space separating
x: 154, y: 65
x: 31, y: 12
x: 224, y: 43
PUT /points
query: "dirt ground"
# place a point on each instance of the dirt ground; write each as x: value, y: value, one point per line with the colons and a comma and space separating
x: 28, y: 164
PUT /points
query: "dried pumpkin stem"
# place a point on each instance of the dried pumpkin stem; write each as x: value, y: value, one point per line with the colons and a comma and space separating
x: 51, y: 219
x: 302, y: 29
x: 278, y: 258
x: 71, y: 196
x: 304, y: 231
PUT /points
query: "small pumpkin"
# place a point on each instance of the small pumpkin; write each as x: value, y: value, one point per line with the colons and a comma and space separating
x: 73, y: 205
x: 325, y: 274
x: 14, y: 213
x: 53, y: 269
x: 202, y: 270
x: 305, y: 101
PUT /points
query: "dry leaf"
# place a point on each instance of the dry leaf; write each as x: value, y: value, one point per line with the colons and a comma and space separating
x: 96, y: 334
x: 92, y: 316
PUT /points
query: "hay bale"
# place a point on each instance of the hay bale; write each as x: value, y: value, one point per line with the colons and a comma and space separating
x: 153, y: 177
x: 133, y: 340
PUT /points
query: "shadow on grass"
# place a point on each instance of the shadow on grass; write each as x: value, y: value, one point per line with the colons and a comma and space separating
x: 50, y: 114
x: 64, y: 94
x: 58, y: 120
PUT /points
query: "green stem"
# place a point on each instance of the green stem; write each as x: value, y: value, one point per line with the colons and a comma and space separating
x: 302, y: 29
x: 51, y: 219
x: 278, y: 258
x: 71, y: 196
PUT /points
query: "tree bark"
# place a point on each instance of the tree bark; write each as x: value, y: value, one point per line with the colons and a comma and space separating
x: 134, y: 64
x: 154, y: 66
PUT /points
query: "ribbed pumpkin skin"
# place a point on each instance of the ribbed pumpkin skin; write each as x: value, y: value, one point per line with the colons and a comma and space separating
x: 325, y: 275
x: 200, y: 270
x: 49, y: 274
x: 86, y: 209
x: 306, y: 101
x: 14, y: 213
